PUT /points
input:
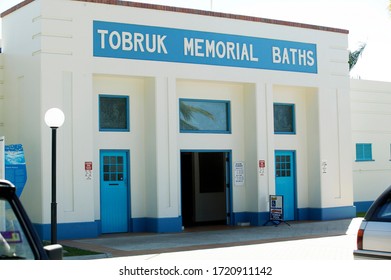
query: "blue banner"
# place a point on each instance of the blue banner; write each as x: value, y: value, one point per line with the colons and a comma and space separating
x: 15, y: 166
x: 130, y: 41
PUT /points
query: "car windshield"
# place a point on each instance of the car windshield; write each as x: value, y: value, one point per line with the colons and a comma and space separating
x: 383, y: 212
x: 13, y: 242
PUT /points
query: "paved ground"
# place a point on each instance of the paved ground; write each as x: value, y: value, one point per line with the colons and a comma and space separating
x: 150, y: 244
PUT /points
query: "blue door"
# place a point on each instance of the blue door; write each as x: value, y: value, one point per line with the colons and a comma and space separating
x: 285, y: 182
x: 114, y: 194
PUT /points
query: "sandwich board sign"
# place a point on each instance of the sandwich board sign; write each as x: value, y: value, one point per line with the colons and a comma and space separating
x: 276, y: 208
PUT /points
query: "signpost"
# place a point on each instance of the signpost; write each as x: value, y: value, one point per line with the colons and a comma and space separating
x: 276, y: 210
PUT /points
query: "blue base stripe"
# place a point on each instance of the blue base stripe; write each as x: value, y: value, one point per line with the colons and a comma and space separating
x: 159, y: 225
x: 69, y: 230
x: 174, y: 224
x: 362, y: 206
x: 324, y: 214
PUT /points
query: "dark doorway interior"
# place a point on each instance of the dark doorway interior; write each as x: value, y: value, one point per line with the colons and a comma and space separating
x: 204, y: 188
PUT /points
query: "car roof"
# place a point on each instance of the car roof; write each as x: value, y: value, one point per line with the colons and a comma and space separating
x: 6, y: 188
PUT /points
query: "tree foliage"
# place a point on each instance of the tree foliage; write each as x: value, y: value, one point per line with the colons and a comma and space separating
x: 355, y: 55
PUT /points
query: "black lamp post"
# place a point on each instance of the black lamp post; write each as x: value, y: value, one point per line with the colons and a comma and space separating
x: 54, y: 118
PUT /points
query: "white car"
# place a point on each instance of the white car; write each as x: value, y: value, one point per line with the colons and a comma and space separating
x: 374, y: 234
x: 18, y: 238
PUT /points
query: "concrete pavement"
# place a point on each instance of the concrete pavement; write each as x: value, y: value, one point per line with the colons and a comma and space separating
x: 134, y: 244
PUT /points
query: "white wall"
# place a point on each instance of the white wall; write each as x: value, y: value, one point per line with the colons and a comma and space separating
x: 23, y: 115
x: 371, y: 116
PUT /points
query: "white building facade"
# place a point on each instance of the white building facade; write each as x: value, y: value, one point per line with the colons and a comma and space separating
x: 175, y: 117
x: 371, y: 135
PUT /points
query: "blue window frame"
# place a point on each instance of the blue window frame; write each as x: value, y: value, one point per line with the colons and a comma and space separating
x: 113, y: 113
x: 363, y: 152
x: 204, y: 116
x: 284, y: 118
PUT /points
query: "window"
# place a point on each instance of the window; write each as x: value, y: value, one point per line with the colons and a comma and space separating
x: 113, y: 168
x: 113, y: 113
x: 14, y: 243
x: 205, y: 116
x: 383, y: 211
x: 363, y: 152
x: 283, y: 166
x: 284, y: 118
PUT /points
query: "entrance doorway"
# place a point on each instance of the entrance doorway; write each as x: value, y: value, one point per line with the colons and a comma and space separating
x: 286, y: 181
x: 114, y: 194
x: 205, y: 185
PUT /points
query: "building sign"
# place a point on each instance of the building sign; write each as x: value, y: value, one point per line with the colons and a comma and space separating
x: 131, y: 41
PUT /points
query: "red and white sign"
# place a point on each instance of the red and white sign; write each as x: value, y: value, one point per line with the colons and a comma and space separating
x: 88, y: 165
x: 88, y: 169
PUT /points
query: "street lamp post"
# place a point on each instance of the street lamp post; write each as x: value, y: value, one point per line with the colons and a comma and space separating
x: 54, y: 118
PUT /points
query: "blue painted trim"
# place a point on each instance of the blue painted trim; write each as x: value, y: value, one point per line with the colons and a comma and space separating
x: 364, y: 152
x: 254, y: 218
x: 294, y: 170
x: 174, y: 224
x: 93, y: 229
x: 293, y: 119
x: 362, y: 206
x: 159, y: 225
x: 127, y: 129
x: 303, y: 214
x: 70, y: 230
x: 324, y: 214
x: 128, y: 179
x: 229, y: 183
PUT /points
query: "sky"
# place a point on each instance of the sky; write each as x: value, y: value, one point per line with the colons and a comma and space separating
x: 368, y: 21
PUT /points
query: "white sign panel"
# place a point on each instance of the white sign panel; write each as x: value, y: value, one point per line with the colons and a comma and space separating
x: 239, y: 173
x: 276, y: 208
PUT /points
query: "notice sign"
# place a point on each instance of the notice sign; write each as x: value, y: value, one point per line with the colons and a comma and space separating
x: 276, y: 208
x: 239, y: 173
x: 88, y: 169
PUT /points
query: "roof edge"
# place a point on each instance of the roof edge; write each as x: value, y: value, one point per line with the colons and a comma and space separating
x: 16, y: 7
x: 195, y: 12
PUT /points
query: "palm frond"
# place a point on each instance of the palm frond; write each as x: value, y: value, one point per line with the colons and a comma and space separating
x: 187, y: 111
x: 354, y: 56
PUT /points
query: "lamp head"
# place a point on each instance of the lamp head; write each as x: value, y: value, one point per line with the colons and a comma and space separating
x: 54, y: 118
